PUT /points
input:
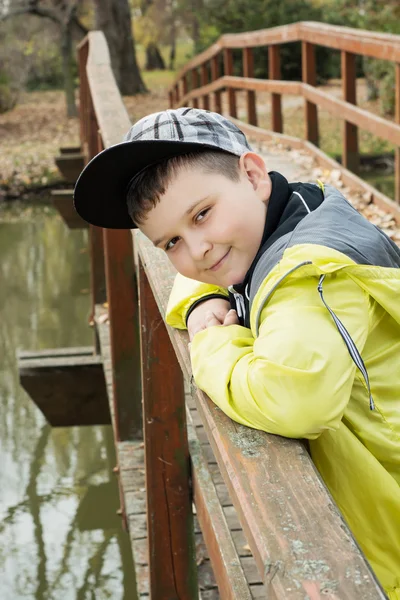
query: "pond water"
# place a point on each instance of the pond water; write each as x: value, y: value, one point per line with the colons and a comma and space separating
x: 60, y: 536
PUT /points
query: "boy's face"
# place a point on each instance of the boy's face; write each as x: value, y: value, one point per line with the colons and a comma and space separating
x: 209, y: 226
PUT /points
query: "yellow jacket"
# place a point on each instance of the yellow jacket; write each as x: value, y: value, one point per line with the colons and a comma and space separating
x: 291, y: 374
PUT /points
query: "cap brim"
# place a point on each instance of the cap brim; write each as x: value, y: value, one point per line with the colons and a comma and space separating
x: 100, y: 191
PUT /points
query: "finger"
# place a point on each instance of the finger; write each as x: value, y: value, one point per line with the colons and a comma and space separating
x: 211, y: 319
x: 231, y: 318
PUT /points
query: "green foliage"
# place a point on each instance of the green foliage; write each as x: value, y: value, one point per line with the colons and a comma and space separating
x: 235, y: 16
x: 45, y: 68
x: 372, y: 16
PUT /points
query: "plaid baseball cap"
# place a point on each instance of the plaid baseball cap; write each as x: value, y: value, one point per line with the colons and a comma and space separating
x: 101, y: 190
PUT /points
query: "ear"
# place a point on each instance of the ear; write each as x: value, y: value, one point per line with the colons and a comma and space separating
x: 253, y: 167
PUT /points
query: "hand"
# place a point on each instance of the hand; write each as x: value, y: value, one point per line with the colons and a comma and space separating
x: 218, y: 307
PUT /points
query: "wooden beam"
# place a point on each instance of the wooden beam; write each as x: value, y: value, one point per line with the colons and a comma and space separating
x: 195, y: 85
x: 351, y: 157
x: 172, y: 562
x: 124, y: 336
x: 67, y: 385
x: 274, y: 73
x: 204, y: 81
x: 215, y: 72
x: 248, y: 71
x: 228, y: 70
x: 309, y: 75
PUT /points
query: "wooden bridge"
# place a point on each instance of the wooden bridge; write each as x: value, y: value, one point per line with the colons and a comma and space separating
x: 228, y: 512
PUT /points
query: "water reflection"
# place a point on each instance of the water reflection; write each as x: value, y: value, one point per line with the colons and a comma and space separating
x: 60, y: 537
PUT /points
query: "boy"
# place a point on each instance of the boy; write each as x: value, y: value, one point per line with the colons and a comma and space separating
x: 312, y: 349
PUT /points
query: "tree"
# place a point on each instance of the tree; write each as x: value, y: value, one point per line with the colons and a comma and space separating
x: 64, y: 14
x: 113, y: 17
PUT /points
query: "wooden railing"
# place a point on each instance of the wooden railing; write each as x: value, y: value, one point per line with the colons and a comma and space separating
x: 189, y: 89
x: 297, y: 536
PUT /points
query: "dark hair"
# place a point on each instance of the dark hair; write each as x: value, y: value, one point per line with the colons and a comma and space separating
x: 147, y: 188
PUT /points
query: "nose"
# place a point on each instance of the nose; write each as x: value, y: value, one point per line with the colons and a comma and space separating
x: 198, y: 247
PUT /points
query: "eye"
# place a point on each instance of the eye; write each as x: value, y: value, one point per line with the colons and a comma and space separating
x: 201, y: 215
x: 172, y: 243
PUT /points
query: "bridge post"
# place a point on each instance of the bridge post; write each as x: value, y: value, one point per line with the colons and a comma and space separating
x: 228, y: 70
x: 397, y: 119
x: 214, y: 77
x: 274, y: 68
x: 248, y: 71
x: 90, y: 146
x: 204, y: 81
x: 185, y: 86
x: 172, y: 561
x: 309, y: 75
x: 195, y: 84
x: 351, y: 157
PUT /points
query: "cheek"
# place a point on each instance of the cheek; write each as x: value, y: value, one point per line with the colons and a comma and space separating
x: 182, y: 263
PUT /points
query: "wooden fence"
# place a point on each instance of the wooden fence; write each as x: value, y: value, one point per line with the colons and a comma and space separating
x: 205, y: 77
x: 296, y: 534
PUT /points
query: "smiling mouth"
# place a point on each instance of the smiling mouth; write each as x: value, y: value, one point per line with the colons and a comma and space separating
x: 220, y: 262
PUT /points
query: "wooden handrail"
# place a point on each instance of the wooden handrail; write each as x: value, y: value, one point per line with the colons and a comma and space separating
x: 379, y: 126
x: 385, y: 46
x: 349, y: 41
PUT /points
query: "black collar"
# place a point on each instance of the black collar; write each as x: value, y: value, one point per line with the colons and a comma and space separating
x: 280, y: 194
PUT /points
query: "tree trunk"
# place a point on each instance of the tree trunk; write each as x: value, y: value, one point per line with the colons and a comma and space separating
x: 172, y: 51
x: 66, y: 55
x: 154, y: 60
x: 196, y: 7
x: 113, y: 17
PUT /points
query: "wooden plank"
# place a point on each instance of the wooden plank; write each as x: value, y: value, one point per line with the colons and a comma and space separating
x: 215, y: 72
x: 63, y: 202
x: 124, y: 339
x: 195, y: 85
x: 111, y: 114
x: 228, y: 70
x: 274, y: 73
x: 353, y: 114
x: 70, y: 166
x: 351, y: 158
x: 309, y: 76
x: 288, y: 517
x: 204, y: 81
x: 57, y: 352
x: 69, y: 389
x: 248, y: 71
x: 246, y: 83
x: 173, y: 572
x: 221, y: 549
x: 97, y: 273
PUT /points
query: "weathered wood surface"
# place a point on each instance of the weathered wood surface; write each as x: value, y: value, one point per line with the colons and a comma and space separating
x: 124, y: 338
x: 68, y: 388
x: 63, y: 202
x: 358, y: 41
x: 70, y: 165
x: 111, y: 114
x: 171, y: 542
x: 131, y: 476
x: 232, y: 583
x: 300, y: 542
